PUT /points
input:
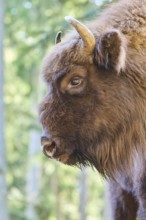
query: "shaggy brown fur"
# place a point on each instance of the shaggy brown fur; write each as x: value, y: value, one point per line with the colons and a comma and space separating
x: 95, y: 110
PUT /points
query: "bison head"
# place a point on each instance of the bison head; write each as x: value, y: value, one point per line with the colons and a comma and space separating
x: 89, y: 105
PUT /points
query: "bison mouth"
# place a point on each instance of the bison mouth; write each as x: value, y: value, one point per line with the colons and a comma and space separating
x: 54, y: 151
x: 70, y: 152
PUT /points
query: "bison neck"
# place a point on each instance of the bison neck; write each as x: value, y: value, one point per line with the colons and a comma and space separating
x: 118, y: 155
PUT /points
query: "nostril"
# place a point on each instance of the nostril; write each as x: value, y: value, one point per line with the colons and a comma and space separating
x: 49, y: 146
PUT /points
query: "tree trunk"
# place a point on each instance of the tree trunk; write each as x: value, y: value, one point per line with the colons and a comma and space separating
x: 107, y: 210
x: 3, y: 188
x: 33, y: 176
x: 83, y: 195
x: 56, y: 192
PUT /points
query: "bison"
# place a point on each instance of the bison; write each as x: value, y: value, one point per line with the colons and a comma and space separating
x: 94, y: 112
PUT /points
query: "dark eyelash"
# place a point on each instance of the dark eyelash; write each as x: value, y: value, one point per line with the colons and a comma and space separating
x: 60, y: 75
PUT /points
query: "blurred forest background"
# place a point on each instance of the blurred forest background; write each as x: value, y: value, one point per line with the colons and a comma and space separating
x: 31, y: 186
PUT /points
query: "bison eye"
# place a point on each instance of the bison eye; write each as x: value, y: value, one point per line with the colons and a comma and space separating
x: 76, y: 81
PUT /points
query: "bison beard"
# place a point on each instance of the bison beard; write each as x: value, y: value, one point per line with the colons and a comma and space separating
x: 94, y: 112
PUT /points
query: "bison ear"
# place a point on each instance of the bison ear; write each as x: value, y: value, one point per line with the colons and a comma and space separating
x: 58, y: 37
x: 110, y: 51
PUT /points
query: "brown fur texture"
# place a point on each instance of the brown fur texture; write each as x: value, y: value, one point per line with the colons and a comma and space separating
x: 101, y: 121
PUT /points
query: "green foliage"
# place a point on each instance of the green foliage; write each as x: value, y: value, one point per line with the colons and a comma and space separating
x: 30, y: 28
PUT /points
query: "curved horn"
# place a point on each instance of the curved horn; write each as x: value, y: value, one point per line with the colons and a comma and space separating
x: 58, y: 37
x: 86, y: 35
